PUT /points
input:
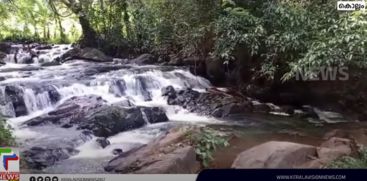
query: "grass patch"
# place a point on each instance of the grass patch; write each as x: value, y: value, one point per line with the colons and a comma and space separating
x: 351, y: 162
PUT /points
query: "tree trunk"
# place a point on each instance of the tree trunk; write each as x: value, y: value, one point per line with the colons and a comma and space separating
x: 61, y: 29
x: 89, y: 37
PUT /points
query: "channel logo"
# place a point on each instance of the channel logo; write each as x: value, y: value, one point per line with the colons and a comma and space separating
x: 9, y: 164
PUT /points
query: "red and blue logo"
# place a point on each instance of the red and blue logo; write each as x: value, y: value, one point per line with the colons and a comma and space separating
x: 9, y: 160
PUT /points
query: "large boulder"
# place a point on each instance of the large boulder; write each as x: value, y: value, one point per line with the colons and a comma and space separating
x: 110, y: 120
x: 25, y: 58
x: 162, y: 156
x: 71, y: 112
x: 335, y: 148
x: 103, y: 142
x: 275, y: 154
x: 103, y: 120
x: 88, y: 54
x: 41, y: 157
x: 180, y: 161
x: 14, y: 95
x: 144, y: 59
x: 169, y: 92
x: 5, y: 47
x: 213, y: 102
x: 359, y: 135
x: 2, y: 56
x: 154, y: 114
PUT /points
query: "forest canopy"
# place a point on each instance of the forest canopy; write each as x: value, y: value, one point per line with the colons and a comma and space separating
x: 284, y: 36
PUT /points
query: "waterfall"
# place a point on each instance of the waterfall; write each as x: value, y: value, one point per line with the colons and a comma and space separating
x: 29, y: 91
x: 35, y: 102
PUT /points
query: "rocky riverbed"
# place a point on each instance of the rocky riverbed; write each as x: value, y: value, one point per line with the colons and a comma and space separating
x: 77, y: 110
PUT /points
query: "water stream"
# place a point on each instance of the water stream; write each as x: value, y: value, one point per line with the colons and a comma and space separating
x: 36, y: 90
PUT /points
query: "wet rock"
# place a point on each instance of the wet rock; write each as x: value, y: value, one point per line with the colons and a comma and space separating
x: 299, y: 113
x: 41, y: 157
x: 236, y: 108
x: 88, y: 54
x: 94, y: 55
x: 260, y: 107
x: 142, y: 86
x: 309, y: 112
x: 144, y: 59
x: 103, y: 142
x: 91, y: 113
x: 154, y: 114
x: 2, y: 56
x: 72, y: 111
x: 120, y: 61
x: 214, y: 103
x: 44, y: 47
x: 110, y: 120
x: 25, y: 59
x: 5, y: 47
x: 15, y: 96
x: 124, y: 103
x: 49, y: 64
x: 70, y: 54
x: 275, y: 154
x: 169, y: 91
x: 288, y: 109
x: 23, y: 69
x: 329, y: 117
x: 53, y: 94
x: 117, y: 151
x: 67, y: 125
x: 231, y: 109
x: 118, y: 88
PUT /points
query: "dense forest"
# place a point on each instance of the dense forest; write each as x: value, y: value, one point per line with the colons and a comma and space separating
x: 85, y: 64
x: 282, y: 35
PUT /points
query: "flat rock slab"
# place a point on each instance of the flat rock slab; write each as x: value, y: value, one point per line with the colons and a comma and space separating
x: 275, y: 154
x: 162, y: 156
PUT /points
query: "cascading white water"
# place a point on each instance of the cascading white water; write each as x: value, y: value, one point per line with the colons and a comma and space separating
x: 44, y: 88
x: 21, y: 54
x: 35, y: 102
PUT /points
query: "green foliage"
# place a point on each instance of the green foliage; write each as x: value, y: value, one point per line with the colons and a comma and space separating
x: 235, y: 28
x: 285, y: 36
x: 174, y: 27
x: 206, y: 141
x: 350, y: 162
x: 6, y: 138
x: 336, y: 39
x: 32, y: 20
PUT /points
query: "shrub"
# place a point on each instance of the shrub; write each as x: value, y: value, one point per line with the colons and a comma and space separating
x: 6, y: 138
x: 350, y: 162
x: 206, y: 141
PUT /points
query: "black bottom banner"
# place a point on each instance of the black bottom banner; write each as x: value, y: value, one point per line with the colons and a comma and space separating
x: 283, y: 174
